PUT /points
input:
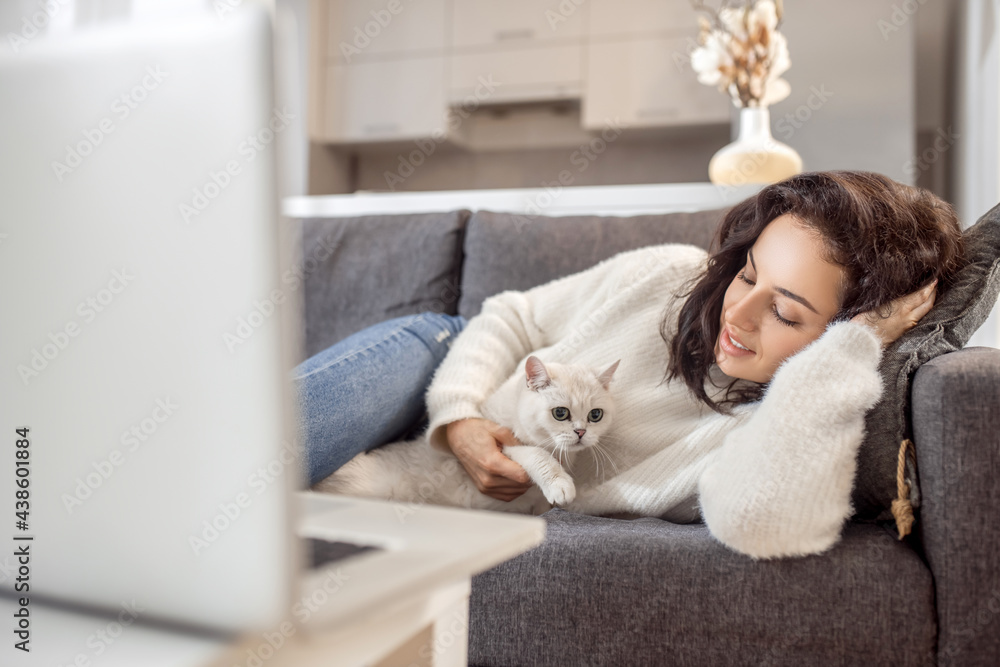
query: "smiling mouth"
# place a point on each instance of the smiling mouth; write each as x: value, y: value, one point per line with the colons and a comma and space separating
x: 733, y: 345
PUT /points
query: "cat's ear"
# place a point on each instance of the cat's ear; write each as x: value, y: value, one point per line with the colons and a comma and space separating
x: 537, y: 376
x: 605, y: 377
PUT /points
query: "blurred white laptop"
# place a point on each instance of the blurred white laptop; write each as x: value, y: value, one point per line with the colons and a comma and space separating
x: 147, y: 336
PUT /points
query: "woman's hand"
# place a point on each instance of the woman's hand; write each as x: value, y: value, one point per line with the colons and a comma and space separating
x: 905, y: 312
x: 476, y: 443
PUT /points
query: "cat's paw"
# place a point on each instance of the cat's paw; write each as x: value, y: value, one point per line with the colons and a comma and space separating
x: 560, y: 491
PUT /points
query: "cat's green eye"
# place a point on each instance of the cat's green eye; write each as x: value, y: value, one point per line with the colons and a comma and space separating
x: 561, y: 414
x: 596, y: 414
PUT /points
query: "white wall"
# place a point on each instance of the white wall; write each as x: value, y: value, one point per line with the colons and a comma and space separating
x: 292, y: 64
x: 977, y: 119
x: 853, y: 88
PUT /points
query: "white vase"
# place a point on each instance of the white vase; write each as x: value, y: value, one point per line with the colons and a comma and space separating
x: 755, y: 156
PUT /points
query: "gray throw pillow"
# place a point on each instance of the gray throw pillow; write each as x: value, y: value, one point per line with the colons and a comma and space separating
x: 958, y: 311
x: 359, y: 271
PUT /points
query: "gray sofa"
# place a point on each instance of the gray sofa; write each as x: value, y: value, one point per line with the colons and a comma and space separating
x: 607, y: 591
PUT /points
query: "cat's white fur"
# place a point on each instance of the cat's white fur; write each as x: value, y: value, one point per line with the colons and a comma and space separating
x: 413, y: 471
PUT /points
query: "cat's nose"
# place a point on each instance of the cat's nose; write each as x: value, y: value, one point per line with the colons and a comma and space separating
x: 579, y: 432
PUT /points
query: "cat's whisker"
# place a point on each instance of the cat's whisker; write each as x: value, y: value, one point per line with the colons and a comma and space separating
x: 600, y: 451
x: 561, y: 452
x: 564, y: 462
x: 607, y: 452
x: 611, y: 460
x: 549, y: 440
x: 597, y: 462
x: 558, y: 450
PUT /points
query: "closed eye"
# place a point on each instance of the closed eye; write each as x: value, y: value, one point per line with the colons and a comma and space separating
x: 777, y: 316
x: 774, y: 308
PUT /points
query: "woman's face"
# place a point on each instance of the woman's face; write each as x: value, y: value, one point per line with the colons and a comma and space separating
x: 781, y: 301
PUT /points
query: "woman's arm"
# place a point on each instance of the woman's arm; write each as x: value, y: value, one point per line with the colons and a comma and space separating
x: 483, y: 355
x: 780, y: 485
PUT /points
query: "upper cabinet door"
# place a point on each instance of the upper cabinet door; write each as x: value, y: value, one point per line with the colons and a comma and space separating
x: 645, y: 83
x: 629, y: 17
x: 361, y: 28
x: 385, y: 101
x: 517, y: 75
x: 515, y: 23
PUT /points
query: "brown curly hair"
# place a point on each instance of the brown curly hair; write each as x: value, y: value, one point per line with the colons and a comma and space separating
x: 890, y: 238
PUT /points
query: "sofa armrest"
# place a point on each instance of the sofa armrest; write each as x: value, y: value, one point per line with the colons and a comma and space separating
x: 956, y: 426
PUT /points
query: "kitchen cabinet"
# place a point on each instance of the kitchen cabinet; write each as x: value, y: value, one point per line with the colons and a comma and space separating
x: 385, y: 100
x: 647, y: 83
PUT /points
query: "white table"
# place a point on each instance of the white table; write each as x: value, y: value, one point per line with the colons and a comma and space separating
x: 406, y: 605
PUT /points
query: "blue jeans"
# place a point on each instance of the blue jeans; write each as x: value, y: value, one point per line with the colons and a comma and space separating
x: 368, y: 389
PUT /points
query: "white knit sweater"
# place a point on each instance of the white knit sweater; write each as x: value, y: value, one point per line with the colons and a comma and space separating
x: 773, y: 479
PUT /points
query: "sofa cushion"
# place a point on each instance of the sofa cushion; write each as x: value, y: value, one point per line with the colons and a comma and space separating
x: 958, y: 311
x: 505, y: 251
x: 363, y: 270
x: 604, y: 591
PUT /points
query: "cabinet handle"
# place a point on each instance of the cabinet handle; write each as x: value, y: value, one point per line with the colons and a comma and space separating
x: 519, y: 33
x: 380, y: 128
x: 657, y: 112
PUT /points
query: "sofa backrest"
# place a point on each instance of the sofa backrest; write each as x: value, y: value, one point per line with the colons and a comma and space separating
x: 505, y: 251
x: 358, y: 271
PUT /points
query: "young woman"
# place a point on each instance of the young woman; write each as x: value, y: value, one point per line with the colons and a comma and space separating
x: 744, y: 377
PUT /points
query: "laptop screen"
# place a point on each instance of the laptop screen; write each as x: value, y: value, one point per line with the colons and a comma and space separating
x: 144, y: 351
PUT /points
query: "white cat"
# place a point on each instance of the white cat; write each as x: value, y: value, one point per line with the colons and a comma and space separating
x: 555, y: 410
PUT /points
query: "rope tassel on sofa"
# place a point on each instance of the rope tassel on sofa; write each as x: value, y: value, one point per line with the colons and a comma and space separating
x: 902, y: 510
